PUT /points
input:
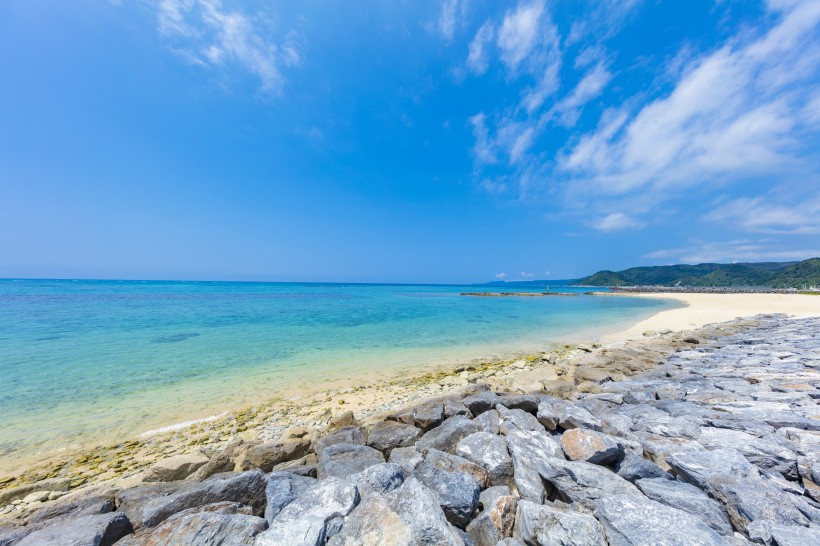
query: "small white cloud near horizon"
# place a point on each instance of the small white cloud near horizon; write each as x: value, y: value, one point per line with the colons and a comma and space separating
x: 527, y: 275
x: 500, y: 275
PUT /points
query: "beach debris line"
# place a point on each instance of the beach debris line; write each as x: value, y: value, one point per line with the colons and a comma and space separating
x: 518, y: 294
x: 715, y: 445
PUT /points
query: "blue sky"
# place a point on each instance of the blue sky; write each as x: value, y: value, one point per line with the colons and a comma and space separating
x: 448, y: 141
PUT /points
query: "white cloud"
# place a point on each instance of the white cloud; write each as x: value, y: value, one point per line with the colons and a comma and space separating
x: 591, y: 85
x: 762, y: 214
x: 519, y: 33
x: 500, y: 275
x: 615, y: 221
x: 448, y: 19
x: 483, y: 150
x: 733, y: 113
x: 732, y: 251
x: 525, y: 274
x: 207, y: 34
x: 477, y: 55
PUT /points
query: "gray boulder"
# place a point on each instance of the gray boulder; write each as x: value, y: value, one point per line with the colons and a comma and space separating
x: 96, y: 530
x: 429, y: 415
x: 447, y: 435
x: 266, y: 456
x: 457, y: 492
x: 494, y: 523
x: 548, y: 414
x: 342, y: 460
x: 373, y: 523
x: 541, y: 524
x: 489, y: 421
x: 527, y: 449
x: 306, y: 520
x: 728, y: 477
x: 516, y: 419
x: 572, y: 416
x: 418, y: 507
x: 282, y: 489
x: 408, y: 458
x: 689, y: 499
x: 388, y: 435
x: 149, y: 506
x: 455, y: 463
x: 767, y: 453
x: 489, y: 451
x: 632, y: 520
x: 379, y: 478
x: 88, y: 506
x: 490, y: 495
x: 481, y: 402
x: 345, y: 435
x: 582, y: 482
x: 221, y: 524
x: 525, y: 402
x: 633, y: 467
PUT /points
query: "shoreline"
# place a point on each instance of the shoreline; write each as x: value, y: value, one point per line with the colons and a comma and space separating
x: 124, y: 461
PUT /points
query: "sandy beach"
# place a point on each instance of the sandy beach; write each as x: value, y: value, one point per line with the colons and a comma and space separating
x: 553, y: 370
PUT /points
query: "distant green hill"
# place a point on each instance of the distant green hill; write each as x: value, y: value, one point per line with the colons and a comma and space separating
x: 769, y: 274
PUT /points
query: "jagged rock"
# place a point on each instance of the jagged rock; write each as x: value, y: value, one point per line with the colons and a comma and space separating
x: 282, y: 489
x: 766, y: 453
x: 524, y: 402
x: 388, y: 435
x: 541, y: 524
x: 455, y: 463
x: 429, y: 415
x: 418, y: 507
x: 266, y: 456
x: 379, y: 478
x: 408, y: 458
x: 635, y: 520
x: 489, y: 421
x: 342, y: 460
x: 305, y: 521
x: 344, y: 419
x: 516, y: 419
x: 175, y: 468
x: 634, y: 467
x: 617, y: 425
x: 481, y: 402
x: 582, y: 482
x: 527, y: 448
x: 457, y: 492
x: 151, y: 505
x: 728, y: 477
x: 98, y: 530
x: 212, y: 524
x: 344, y: 435
x: 447, y: 435
x: 572, y: 416
x: 222, y: 461
x: 491, y: 494
x: 494, y: 523
x: 689, y: 499
x: 548, y: 414
x: 490, y: 452
x: 590, y: 446
x: 373, y: 523
x: 88, y: 506
x: 788, y: 535
x: 454, y: 406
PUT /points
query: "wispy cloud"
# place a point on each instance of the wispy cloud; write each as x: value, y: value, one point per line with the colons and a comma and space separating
x: 615, y: 221
x: 500, y: 275
x: 477, y: 54
x: 207, y: 34
x: 449, y: 17
x: 763, y: 214
x: 525, y: 275
x: 733, y: 251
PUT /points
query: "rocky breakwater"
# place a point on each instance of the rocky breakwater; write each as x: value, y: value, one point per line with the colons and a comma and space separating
x: 719, y: 444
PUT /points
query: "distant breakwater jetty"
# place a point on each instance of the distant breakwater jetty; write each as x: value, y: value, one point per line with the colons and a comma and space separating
x: 707, y: 437
x: 706, y: 290
x: 516, y: 294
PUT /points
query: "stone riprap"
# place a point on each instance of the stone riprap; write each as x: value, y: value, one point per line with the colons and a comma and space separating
x: 717, y: 444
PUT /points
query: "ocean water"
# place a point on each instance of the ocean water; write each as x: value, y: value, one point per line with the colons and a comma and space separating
x: 83, y: 361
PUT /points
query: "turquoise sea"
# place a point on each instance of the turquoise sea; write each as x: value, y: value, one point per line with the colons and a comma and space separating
x: 84, y: 361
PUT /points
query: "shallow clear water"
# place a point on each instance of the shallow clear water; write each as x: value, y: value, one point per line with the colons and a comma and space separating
x: 82, y: 360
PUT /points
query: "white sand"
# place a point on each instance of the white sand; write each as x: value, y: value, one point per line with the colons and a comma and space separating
x: 702, y: 309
